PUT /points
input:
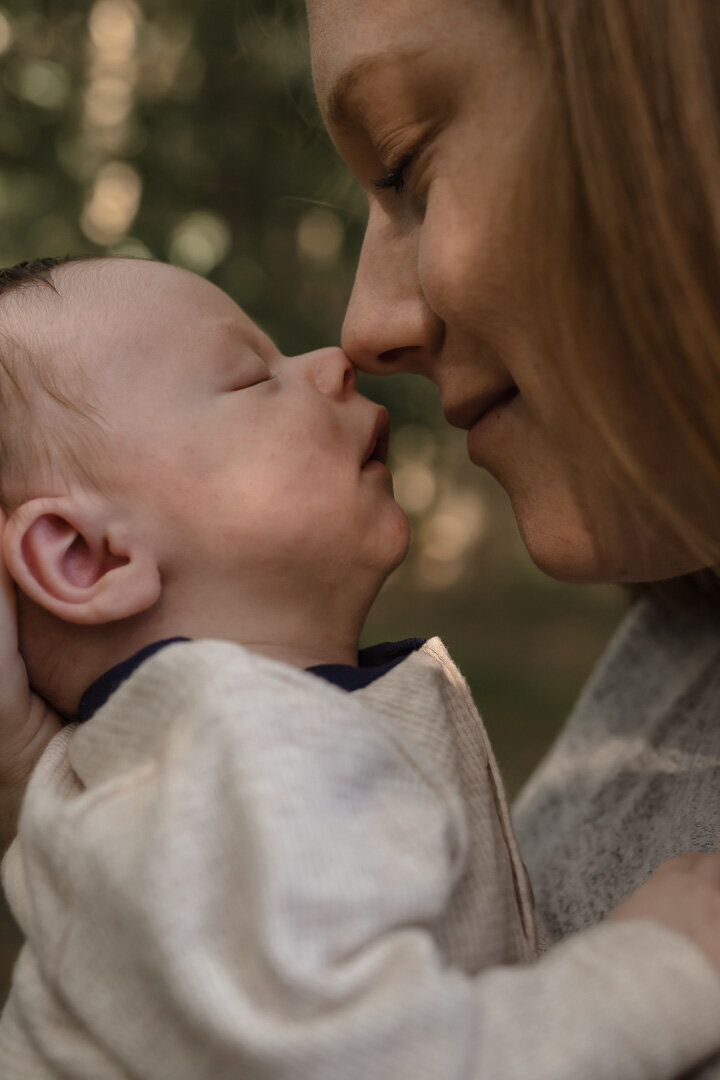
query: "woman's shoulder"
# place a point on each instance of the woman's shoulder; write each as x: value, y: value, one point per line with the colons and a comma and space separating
x: 633, y: 777
x: 659, y: 650
x: 656, y: 681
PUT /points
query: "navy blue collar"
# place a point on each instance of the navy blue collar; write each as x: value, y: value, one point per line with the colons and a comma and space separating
x: 372, y: 663
x: 99, y: 691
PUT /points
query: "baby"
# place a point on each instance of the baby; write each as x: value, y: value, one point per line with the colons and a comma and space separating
x: 260, y: 853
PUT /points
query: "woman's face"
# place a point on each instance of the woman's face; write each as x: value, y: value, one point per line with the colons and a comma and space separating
x: 431, y: 103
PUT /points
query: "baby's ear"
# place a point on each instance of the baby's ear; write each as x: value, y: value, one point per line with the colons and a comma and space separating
x: 66, y: 554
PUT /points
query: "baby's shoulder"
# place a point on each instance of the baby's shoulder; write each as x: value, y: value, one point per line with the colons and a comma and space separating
x: 206, y: 698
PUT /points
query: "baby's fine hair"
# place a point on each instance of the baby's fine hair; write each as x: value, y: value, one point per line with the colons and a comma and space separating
x: 47, y: 423
x: 32, y: 272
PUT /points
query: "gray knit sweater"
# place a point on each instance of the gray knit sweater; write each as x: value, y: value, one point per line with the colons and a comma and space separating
x: 635, y: 776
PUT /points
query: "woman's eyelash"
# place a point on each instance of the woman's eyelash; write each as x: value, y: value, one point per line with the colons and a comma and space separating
x: 393, y: 179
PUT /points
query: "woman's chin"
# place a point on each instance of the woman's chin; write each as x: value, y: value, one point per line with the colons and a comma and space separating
x: 572, y: 566
x: 577, y: 556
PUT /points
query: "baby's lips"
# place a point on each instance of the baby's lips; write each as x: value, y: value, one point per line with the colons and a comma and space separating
x: 377, y: 447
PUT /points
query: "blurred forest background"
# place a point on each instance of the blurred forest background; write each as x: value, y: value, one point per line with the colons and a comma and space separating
x: 188, y: 131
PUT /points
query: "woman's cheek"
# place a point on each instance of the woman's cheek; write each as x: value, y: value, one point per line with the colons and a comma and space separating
x: 451, y: 261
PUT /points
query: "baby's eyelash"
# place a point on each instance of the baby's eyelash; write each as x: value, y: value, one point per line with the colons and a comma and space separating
x: 393, y: 179
x: 246, y: 383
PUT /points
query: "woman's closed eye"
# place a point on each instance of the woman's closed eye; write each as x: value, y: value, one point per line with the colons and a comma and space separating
x: 395, y: 177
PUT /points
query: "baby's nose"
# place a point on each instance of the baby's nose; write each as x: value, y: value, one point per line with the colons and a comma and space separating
x: 330, y: 371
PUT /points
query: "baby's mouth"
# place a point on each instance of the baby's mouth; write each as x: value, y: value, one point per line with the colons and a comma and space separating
x: 380, y: 440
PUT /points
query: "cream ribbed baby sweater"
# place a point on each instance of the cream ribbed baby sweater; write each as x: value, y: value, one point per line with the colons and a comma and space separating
x: 235, y: 870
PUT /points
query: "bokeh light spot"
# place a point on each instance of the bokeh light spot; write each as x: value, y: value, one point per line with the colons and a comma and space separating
x: 43, y: 83
x: 444, y: 537
x: 436, y: 574
x: 467, y: 507
x: 413, y: 442
x: 415, y: 486
x: 320, y: 235
x: 113, y: 203
x: 131, y: 246
x: 112, y: 27
x: 108, y: 100
x: 200, y: 241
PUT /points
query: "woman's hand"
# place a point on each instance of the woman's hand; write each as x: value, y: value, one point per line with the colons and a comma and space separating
x: 27, y: 723
x: 684, y: 895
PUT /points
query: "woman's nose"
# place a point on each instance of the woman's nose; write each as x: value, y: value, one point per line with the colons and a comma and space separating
x: 329, y: 370
x: 389, y: 326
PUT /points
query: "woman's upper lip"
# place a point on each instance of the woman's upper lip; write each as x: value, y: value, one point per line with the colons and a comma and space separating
x: 377, y: 447
x: 463, y: 414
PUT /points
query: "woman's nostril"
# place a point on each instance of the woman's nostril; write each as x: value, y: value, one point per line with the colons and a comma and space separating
x: 391, y: 355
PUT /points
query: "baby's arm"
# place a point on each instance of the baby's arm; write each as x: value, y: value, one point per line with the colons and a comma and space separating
x: 250, y: 891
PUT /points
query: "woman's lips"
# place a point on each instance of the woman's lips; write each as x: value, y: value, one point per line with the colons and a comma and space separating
x: 466, y: 412
x: 500, y: 402
x: 489, y: 422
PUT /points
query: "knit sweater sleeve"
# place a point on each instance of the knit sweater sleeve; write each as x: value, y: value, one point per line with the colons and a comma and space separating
x: 250, y: 891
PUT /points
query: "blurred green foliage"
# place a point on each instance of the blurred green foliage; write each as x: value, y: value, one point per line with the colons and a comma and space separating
x: 188, y: 131
x: 211, y: 106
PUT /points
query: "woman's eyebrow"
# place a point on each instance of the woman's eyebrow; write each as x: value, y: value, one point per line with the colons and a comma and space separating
x: 339, y: 108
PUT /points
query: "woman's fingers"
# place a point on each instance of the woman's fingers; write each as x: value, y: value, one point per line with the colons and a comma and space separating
x: 27, y: 723
x: 684, y: 895
x: 705, y: 864
x: 14, y: 688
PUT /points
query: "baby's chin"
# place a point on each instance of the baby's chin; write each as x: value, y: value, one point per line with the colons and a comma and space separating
x: 399, y: 542
x: 392, y: 548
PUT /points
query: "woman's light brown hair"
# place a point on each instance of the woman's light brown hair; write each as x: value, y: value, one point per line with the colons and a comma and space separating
x: 624, y: 183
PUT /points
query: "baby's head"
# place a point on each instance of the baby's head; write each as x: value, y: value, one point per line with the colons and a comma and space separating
x: 166, y: 471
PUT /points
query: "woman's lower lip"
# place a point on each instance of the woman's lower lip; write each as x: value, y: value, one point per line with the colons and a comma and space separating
x: 488, y: 425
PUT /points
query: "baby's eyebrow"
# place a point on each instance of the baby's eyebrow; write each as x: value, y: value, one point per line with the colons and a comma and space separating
x: 242, y: 332
x: 262, y: 346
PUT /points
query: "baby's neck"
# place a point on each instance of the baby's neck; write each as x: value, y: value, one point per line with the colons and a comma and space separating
x: 289, y: 635
x: 80, y: 654
x: 302, y: 631
x: 303, y: 656
x: 328, y: 645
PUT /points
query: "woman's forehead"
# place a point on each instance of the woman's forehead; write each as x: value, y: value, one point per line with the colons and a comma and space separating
x: 352, y: 41
x: 341, y: 59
